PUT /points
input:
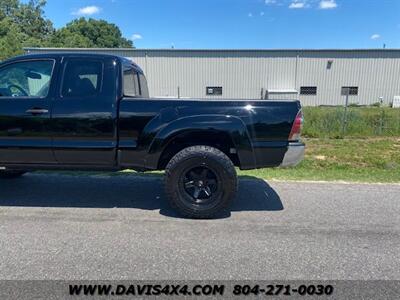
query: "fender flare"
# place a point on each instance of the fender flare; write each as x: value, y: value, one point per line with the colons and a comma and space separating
x: 233, y: 126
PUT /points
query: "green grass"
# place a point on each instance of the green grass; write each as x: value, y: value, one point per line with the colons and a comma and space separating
x: 359, y: 160
x: 327, y: 122
x: 302, y: 173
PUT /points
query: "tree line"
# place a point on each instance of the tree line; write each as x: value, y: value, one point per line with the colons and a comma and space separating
x: 25, y: 25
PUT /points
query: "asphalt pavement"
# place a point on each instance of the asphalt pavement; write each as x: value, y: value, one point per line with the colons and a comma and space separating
x: 120, y: 227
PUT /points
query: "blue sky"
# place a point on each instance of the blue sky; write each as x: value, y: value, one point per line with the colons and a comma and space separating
x: 243, y: 24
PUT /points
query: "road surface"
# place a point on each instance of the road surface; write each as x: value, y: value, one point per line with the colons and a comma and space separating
x: 120, y: 227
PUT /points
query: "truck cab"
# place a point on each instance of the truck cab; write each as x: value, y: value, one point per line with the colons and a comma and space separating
x: 63, y: 109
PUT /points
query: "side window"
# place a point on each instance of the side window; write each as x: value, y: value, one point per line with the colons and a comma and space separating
x: 82, y: 78
x: 131, y: 83
x: 144, y: 90
x: 26, y: 79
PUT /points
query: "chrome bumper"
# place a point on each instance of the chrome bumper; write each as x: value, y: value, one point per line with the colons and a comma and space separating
x: 293, y: 155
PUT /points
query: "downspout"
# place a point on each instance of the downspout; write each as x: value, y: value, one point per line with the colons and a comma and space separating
x: 145, y: 63
x: 295, y: 71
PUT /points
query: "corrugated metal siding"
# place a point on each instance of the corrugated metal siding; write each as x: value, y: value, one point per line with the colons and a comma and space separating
x: 377, y: 74
x: 240, y: 76
x: 244, y: 73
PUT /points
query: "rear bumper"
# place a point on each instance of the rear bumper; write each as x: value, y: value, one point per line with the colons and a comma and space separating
x: 293, y: 155
x: 276, y: 154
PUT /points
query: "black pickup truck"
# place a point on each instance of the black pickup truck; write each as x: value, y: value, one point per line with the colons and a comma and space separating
x: 93, y: 112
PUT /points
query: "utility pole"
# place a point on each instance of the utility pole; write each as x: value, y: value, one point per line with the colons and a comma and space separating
x: 382, y: 115
x: 345, y: 112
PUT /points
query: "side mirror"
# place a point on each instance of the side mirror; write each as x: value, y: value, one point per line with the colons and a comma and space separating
x: 33, y: 75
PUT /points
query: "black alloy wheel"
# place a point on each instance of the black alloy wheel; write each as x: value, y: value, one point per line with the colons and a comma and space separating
x: 200, y: 182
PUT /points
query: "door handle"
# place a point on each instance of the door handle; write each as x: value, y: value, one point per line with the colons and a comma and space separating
x: 37, y: 111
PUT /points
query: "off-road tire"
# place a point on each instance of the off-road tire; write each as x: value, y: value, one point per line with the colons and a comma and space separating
x: 200, y: 157
x: 11, y: 174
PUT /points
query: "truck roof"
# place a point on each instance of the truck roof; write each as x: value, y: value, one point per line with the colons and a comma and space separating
x: 123, y: 60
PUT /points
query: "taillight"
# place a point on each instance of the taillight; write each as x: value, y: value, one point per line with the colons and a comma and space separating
x: 296, y: 128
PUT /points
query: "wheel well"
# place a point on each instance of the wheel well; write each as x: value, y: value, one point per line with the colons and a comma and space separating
x: 220, y: 140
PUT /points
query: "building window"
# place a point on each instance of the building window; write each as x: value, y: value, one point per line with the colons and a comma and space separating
x: 214, y: 91
x: 351, y: 90
x: 308, y: 90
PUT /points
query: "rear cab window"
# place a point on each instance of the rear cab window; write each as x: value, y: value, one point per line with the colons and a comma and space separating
x: 144, y: 90
x: 130, y: 82
x: 134, y: 82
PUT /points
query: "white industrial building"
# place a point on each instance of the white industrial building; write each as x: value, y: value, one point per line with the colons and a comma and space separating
x: 316, y: 77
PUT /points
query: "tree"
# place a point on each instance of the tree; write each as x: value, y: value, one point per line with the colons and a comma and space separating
x: 25, y: 25
x: 90, y: 33
x: 30, y: 18
x: 22, y: 25
x: 10, y: 39
x: 8, y: 8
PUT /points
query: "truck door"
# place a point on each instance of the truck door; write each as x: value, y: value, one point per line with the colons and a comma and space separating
x: 84, y: 113
x: 25, y: 97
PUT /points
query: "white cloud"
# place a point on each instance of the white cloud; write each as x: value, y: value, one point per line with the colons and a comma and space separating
x: 270, y: 2
x: 136, y: 36
x: 375, y: 36
x: 327, y: 4
x: 250, y: 15
x: 87, y: 11
x: 296, y: 4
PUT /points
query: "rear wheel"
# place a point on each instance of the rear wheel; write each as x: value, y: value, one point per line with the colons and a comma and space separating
x: 11, y: 174
x: 200, y: 182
